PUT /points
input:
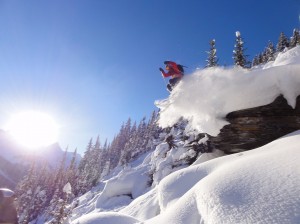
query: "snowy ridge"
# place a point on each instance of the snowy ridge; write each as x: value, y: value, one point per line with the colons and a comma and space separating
x: 257, y: 186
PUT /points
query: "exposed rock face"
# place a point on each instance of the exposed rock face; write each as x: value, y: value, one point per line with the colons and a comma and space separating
x: 252, y: 128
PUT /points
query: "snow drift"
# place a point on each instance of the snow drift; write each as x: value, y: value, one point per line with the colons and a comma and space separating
x: 258, y: 186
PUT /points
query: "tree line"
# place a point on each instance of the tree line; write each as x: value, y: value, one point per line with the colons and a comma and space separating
x: 268, y: 54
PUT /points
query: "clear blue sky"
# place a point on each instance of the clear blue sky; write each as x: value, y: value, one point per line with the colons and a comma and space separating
x: 92, y: 64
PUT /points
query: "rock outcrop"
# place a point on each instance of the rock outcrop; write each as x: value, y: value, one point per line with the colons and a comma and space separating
x: 255, y: 127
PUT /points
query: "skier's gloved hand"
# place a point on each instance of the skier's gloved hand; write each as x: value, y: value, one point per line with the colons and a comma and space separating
x: 160, y: 69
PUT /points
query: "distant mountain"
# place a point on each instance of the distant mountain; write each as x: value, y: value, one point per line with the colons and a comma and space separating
x: 15, y: 159
x: 10, y: 173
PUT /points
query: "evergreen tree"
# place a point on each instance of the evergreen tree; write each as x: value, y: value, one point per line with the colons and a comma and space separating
x: 270, y: 52
x: 140, y: 138
x: 57, y: 182
x: 86, y: 156
x: 60, y: 177
x: 153, y: 131
x: 264, y: 58
x: 283, y: 42
x: 25, y: 196
x: 126, y: 153
x: 240, y: 59
x: 104, y: 163
x: 61, y: 210
x: 84, y: 170
x: 54, y: 204
x: 31, y: 195
x: 295, y: 39
x: 212, y: 59
x: 255, y: 61
x: 94, y: 172
x: 114, y: 152
x: 72, y: 174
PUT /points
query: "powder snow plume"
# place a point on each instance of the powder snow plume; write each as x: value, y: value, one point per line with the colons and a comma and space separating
x: 206, y: 96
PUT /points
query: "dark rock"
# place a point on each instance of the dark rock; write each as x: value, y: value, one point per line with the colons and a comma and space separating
x: 255, y: 127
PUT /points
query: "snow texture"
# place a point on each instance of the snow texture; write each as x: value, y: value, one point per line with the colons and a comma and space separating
x: 67, y: 188
x: 105, y: 218
x: 258, y: 186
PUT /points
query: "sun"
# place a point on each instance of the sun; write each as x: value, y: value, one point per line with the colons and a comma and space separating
x: 33, y: 129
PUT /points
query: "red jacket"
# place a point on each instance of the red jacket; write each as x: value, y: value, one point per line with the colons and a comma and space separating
x: 174, y: 72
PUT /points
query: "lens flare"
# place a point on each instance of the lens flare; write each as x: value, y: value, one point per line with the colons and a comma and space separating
x: 33, y: 129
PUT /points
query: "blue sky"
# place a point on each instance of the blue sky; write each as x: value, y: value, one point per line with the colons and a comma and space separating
x: 92, y: 64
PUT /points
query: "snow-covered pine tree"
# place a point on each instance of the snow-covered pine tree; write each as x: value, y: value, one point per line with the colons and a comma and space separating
x: 239, y: 57
x: 72, y: 174
x: 283, y: 42
x: 103, y: 159
x: 61, y: 210
x: 153, y: 131
x: 57, y: 182
x: 270, y: 52
x: 24, y: 195
x: 295, y: 39
x: 94, y: 171
x: 255, y: 61
x: 212, y: 59
x: 114, y: 152
x: 31, y: 194
x: 118, y: 145
x: 264, y: 57
x: 54, y: 204
x: 140, y: 139
x: 83, y: 170
x: 60, y: 177
x: 126, y: 153
x: 86, y: 156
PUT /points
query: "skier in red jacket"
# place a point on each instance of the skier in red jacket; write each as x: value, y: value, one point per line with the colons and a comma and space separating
x: 175, y: 71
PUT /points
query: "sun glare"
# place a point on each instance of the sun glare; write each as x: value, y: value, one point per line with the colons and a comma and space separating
x: 33, y: 129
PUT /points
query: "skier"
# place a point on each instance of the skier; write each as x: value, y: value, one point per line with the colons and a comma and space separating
x: 8, y: 213
x: 175, y: 71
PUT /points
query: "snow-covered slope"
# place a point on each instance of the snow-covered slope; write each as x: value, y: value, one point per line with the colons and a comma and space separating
x: 257, y: 186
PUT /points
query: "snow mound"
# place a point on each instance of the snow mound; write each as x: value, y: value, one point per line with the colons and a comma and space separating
x: 105, y: 218
x: 258, y: 186
x: 292, y: 56
x: 207, y: 96
x: 144, y: 207
x: 122, y: 188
